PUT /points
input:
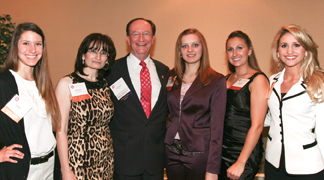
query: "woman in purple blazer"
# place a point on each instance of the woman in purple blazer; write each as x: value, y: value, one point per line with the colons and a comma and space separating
x: 197, y: 101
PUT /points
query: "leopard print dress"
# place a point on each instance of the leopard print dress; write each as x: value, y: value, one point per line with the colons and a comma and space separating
x: 90, y: 147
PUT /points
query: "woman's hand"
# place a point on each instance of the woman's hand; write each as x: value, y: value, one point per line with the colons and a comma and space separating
x: 7, y: 152
x: 211, y: 176
x: 235, y: 171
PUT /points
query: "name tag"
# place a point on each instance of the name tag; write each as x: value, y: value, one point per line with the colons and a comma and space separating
x: 16, y: 108
x: 170, y: 84
x: 121, y: 90
x: 79, y: 92
x: 239, y: 84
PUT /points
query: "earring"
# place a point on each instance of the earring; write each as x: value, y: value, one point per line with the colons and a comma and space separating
x: 305, y: 56
x: 82, y: 61
x: 278, y: 61
x: 106, y: 67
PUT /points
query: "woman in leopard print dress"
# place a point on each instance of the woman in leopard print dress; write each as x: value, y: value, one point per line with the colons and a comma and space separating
x: 84, y: 142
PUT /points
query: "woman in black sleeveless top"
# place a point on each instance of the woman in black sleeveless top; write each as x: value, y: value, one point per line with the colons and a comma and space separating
x: 246, y: 108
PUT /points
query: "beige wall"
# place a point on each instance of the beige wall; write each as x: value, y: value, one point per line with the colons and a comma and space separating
x: 66, y: 22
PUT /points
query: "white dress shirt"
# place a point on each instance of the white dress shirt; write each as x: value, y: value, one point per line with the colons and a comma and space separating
x: 134, y: 69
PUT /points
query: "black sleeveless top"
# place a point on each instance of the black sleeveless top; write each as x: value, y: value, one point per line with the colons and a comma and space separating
x: 236, y: 126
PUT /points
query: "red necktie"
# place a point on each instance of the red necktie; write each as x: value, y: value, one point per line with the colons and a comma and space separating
x: 146, y: 89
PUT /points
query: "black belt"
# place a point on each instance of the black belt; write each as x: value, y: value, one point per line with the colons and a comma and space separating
x: 177, y: 148
x: 42, y: 159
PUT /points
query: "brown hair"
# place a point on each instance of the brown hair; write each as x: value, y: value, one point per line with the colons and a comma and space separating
x: 252, y: 61
x: 205, y: 71
x: 40, y: 73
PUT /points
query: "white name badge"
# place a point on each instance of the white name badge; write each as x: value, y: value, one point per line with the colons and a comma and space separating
x: 170, y: 84
x: 239, y: 84
x: 121, y: 90
x: 79, y: 92
x: 16, y: 108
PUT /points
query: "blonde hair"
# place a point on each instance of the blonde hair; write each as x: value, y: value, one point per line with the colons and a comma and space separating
x: 310, y: 69
x: 40, y: 73
x: 205, y: 71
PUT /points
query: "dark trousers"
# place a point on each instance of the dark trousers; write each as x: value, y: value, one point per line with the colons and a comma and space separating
x: 272, y: 173
x: 185, y: 167
x: 143, y: 176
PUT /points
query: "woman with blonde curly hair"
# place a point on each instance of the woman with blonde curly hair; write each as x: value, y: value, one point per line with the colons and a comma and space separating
x: 295, y: 145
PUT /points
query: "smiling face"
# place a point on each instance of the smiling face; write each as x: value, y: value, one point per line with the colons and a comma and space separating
x: 290, y: 51
x: 140, y: 39
x: 30, y: 49
x: 95, y: 58
x: 191, y: 48
x: 238, y: 52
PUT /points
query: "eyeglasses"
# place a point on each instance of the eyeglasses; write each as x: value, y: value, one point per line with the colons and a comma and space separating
x: 95, y: 52
x: 144, y: 34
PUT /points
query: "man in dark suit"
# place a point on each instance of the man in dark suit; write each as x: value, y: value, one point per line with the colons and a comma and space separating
x: 138, y: 125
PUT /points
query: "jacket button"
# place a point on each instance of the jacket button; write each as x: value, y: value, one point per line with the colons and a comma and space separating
x: 280, y: 116
x: 146, y: 124
x: 281, y: 132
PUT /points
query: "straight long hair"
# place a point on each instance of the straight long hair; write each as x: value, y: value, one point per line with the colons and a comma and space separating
x: 40, y: 71
x: 252, y: 61
x: 205, y: 71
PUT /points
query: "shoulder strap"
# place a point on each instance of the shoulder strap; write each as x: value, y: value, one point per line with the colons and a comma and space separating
x: 256, y: 74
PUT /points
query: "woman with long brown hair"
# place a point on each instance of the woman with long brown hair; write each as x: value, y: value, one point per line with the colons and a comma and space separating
x: 30, y: 111
x: 246, y: 108
x: 197, y: 100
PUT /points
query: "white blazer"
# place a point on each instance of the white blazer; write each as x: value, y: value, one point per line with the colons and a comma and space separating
x: 298, y: 123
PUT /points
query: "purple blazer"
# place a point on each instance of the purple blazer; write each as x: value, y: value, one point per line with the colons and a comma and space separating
x: 201, y: 118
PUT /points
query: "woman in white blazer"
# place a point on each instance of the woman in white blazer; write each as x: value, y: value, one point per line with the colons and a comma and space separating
x: 295, y: 145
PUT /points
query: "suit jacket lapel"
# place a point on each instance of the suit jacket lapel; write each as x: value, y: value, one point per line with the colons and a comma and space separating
x: 125, y: 75
x: 162, y: 93
x: 296, y: 90
x: 195, y: 86
x: 176, y: 91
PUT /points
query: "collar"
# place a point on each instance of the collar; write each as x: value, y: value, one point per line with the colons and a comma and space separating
x: 133, y: 61
x: 279, y: 78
